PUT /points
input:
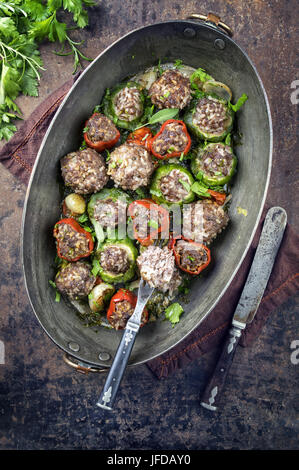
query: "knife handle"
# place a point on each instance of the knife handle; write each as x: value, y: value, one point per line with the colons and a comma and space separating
x: 109, y: 392
x: 211, y: 395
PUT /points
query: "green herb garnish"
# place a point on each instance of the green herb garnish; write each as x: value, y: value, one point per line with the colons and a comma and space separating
x: 200, y: 190
x: 173, y: 313
x: 161, y: 116
x: 239, y: 103
x: 185, y: 185
x: 24, y: 24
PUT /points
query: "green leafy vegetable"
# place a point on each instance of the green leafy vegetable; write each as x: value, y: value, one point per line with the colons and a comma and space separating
x: 173, y: 313
x: 185, y: 184
x: 239, y: 103
x: 161, y: 116
x: 200, y: 190
x: 23, y: 25
x: 57, y: 293
x: 200, y: 75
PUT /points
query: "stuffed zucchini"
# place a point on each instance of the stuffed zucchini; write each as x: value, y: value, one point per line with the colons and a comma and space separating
x: 214, y: 164
x: 117, y: 260
x: 171, y: 184
x: 125, y: 105
x: 209, y: 118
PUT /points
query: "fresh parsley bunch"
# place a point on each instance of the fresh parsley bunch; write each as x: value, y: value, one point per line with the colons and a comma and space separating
x: 23, y: 25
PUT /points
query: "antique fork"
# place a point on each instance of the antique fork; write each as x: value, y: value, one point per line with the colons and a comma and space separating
x: 109, y: 392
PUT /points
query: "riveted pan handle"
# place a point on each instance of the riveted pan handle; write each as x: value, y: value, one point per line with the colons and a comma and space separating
x: 82, y: 367
x: 212, y: 20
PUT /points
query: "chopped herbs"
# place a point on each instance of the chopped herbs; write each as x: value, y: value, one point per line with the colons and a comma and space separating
x: 200, y: 189
x: 173, y: 313
x: 242, y: 211
x: 95, y: 267
x: 184, y: 184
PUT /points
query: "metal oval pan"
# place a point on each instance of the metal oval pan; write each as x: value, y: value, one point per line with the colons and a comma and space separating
x: 135, y: 52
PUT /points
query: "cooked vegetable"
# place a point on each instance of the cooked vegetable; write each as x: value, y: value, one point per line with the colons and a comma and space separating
x: 107, y: 209
x: 125, y: 105
x: 172, y: 140
x: 171, y: 184
x: 218, y: 197
x: 141, y: 136
x: 121, y: 308
x: 239, y: 103
x: 117, y: 259
x: 100, y: 133
x: 210, y: 118
x: 74, y: 204
x: 99, y: 297
x: 149, y: 220
x: 190, y: 256
x: 198, y: 78
x: 73, y: 242
x: 214, y: 164
x: 217, y: 88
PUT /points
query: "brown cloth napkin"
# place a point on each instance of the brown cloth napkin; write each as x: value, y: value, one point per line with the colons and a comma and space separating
x: 19, y: 154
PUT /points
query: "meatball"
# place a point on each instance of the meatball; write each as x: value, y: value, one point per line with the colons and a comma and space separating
x: 210, y: 115
x: 174, y: 186
x: 84, y: 171
x: 157, y: 267
x: 171, y: 90
x: 75, y: 280
x: 72, y: 244
x: 110, y: 213
x: 114, y: 259
x: 100, y: 128
x: 130, y: 166
x: 172, y: 139
x: 204, y: 220
x: 127, y: 104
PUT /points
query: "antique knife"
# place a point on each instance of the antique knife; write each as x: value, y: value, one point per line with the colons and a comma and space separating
x: 268, y: 246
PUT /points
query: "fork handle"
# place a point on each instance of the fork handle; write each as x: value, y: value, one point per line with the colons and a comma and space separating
x: 109, y: 392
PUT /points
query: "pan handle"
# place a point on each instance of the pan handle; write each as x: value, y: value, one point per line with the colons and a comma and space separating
x: 81, y: 367
x: 213, y: 20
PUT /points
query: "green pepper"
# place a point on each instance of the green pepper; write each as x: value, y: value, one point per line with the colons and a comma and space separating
x: 131, y: 251
x: 165, y: 170
x: 214, y: 164
x: 199, y: 131
x: 110, y: 111
x: 106, y: 194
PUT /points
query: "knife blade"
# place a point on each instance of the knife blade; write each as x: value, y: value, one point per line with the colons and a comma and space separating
x: 256, y: 283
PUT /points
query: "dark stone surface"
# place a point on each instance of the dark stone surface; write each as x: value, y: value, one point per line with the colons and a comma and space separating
x: 46, y: 405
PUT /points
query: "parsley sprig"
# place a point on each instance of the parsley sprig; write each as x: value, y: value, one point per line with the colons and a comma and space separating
x: 24, y: 24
